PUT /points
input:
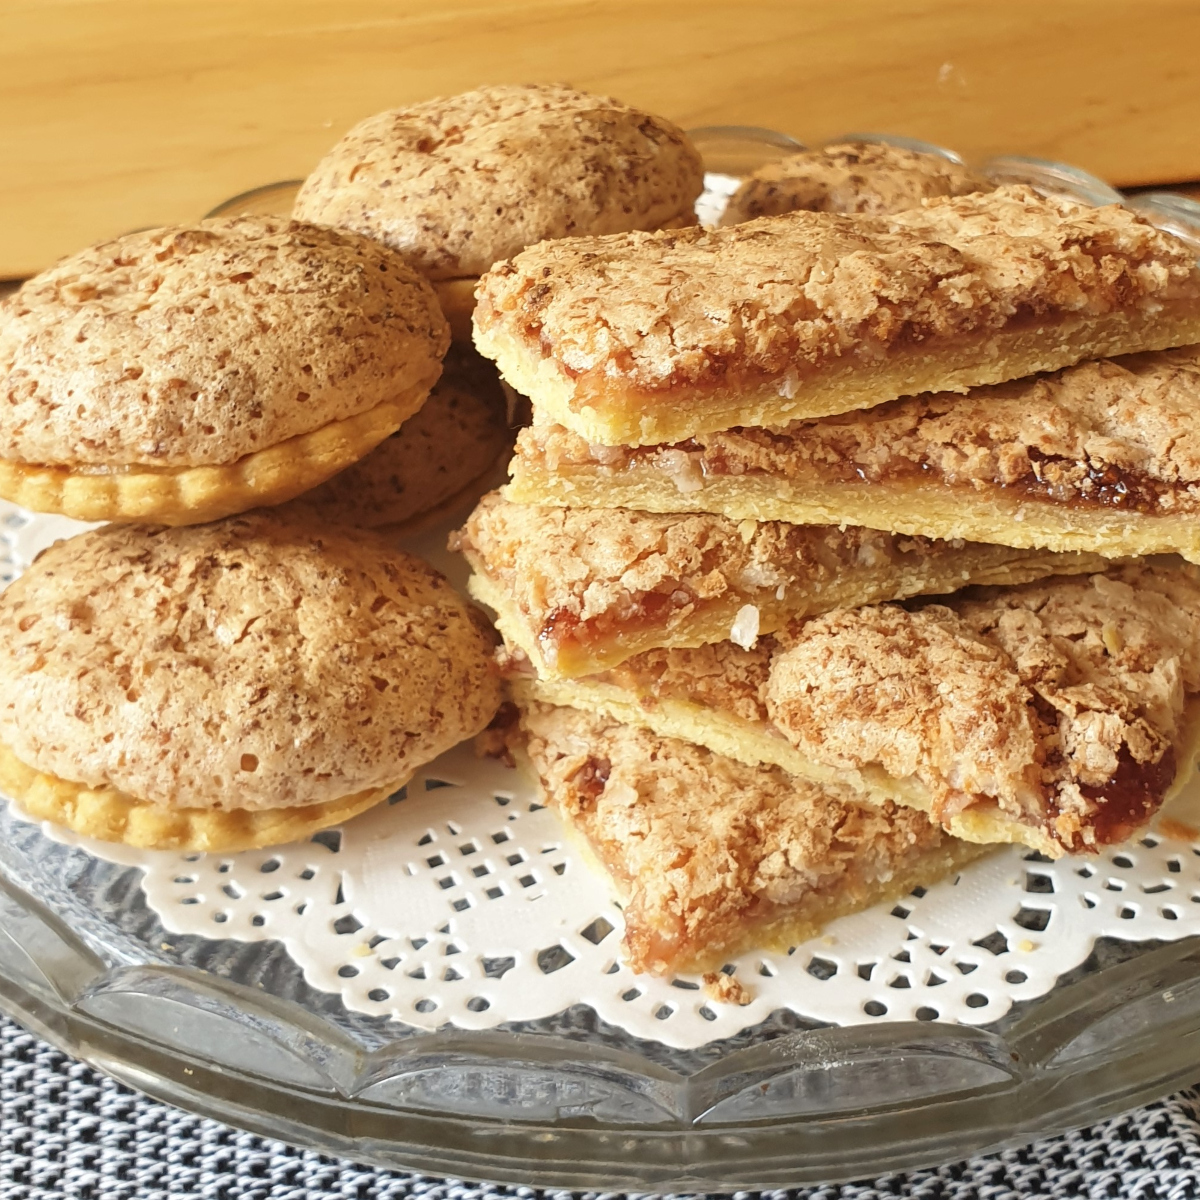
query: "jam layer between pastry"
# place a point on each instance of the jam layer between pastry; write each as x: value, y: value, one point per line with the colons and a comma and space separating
x: 710, y: 856
x: 1103, y: 456
x: 1060, y: 714
x: 579, y: 590
x: 643, y: 338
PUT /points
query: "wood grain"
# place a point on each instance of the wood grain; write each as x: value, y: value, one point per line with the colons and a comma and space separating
x: 119, y: 114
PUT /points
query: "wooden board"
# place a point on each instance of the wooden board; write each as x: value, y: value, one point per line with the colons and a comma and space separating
x: 120, y: 114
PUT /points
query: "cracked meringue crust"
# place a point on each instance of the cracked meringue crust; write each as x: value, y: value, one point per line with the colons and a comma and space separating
x: 712, y: 857
x: 581, y: 590
x: 866, y: 177
x: 457, y: 182
x: 183, y: 374
x: 1103, y: 456
x: 1060, y: 714
x: 638, y: 339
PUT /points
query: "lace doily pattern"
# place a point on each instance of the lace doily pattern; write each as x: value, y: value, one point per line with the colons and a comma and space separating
x: 460, y: 902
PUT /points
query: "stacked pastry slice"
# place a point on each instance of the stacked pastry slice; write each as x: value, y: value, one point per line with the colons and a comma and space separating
x: 714, y: 566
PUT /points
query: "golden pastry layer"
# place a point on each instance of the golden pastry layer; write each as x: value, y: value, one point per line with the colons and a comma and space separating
x: 580, y: 590
x: 251, y: 664
x: 459, y: 182
x: 459, y: 438
x: 111, y: 816
x: 848, y: 177
x: 638, y: 339
x: 1103, y: 456
x: 712, y: 857
x: 194, y: 495
x: 1059, y: 714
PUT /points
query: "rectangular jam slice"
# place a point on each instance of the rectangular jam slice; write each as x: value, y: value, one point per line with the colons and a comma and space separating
x: 579, y: 590
x: 1059, y: 714
x: 644, y: 338
x: 1103, y: 456
x: 711, y: 857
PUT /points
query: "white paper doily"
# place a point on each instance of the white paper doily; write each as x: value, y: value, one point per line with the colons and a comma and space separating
x: 461, y: 903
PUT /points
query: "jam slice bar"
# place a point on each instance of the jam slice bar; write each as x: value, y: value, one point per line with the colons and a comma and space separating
x: 643, y: 338
x: 1103, y: 456
x: 711, y: 857
x: 1060, y: 714
x: 579, y: 590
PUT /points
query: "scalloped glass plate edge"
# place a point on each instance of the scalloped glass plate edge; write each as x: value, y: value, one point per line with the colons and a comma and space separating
x: 1062, y: 1071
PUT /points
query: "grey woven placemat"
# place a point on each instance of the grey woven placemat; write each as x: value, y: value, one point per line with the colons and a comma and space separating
x: 68, y: 1132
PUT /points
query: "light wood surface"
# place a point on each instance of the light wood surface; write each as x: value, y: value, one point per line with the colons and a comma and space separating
x: 120, y: 114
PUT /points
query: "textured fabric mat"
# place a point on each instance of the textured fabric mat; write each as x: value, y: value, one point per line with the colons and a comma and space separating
x: 69, y: 1133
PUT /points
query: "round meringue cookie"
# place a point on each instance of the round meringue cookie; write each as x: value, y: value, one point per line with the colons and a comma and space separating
x: 230, y: 685
x: 851, y: 177
x: 442, y: 458
x: 461, y: 182
x: 184, y: 374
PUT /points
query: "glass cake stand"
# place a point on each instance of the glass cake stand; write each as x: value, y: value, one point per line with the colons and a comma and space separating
x: 230, y: 1029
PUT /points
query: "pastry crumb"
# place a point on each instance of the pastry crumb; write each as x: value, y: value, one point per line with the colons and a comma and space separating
x: 726, y: 989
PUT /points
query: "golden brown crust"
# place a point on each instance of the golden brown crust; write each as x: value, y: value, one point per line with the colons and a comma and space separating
x: 580, y: 590
x: 198, y: 345
x: 459, y: 182
x: 847, y: 177
x: 1065, y: 703
x: 714, y: 856
x: 457, y: 436
x: 111, y: 816
x: 250, y: 664
x: 639, y: 338
x: 193, y: 495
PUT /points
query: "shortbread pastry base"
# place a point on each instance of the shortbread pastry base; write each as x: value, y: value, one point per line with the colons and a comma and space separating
x: 677, y: 926
x: 976, y: 564
x: 925, y: 508
x: 111, y: 816
x: 754, y: 745
x: 196, y: 495
x: 602, y: 411
x: 780, y: 931
x: 457, y: 298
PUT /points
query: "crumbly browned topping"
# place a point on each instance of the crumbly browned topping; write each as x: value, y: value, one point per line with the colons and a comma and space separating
x: 459, y: 182
x: 753, y: 301
x: 1119, y: 432
x: 563, y: 567
x: 1062, y: 701
x: 850, y: 177
x: 200, y: 344
x: 720, y: 676
x: 704, y: 846
x: 457, y: 435
x: 252, y: 663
